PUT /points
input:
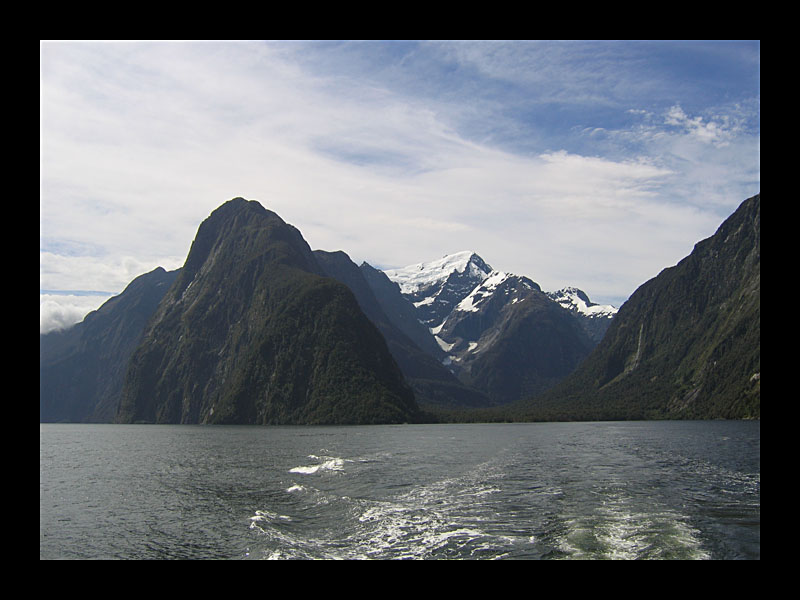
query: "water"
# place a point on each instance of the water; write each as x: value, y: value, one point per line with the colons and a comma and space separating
x: 632, y: 490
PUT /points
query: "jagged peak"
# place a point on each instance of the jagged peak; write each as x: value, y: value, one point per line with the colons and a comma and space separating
x: 575, y: 299
x: 572, y: 291
x: 418, y: 276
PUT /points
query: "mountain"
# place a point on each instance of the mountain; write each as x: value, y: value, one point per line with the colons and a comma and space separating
x: 81, y: 369
x: 257, y: 328
x: 499, y: 332
x: 594, y: 318
x: 686, y: 344
x: 399, y: 310
x: 436, y: 287
x: 431, y: 381
x: 253, y: 331
x: 509, y: 339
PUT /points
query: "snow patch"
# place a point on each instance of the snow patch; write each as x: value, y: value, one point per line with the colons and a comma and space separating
x: 438, y: 328
x: 483, y: 290
x: 442, y: 344
x: 574, y: 299
x: 413, y: 278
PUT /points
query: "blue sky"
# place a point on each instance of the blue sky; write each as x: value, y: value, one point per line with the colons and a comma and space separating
x: 593, y: 164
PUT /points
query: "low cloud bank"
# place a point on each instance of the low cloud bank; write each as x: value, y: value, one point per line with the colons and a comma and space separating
x: 59, y: 311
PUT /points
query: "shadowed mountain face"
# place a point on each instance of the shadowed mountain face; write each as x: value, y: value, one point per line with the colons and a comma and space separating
x: 431, y: 381
x: 253, y: 331
x: 687, y: 344
x: 81, y: 369
x: 522, y: 349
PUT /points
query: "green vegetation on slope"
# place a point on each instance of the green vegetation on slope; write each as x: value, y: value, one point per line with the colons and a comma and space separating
x: 253, y: 332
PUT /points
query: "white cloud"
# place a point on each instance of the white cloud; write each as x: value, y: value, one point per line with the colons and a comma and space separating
x: 719, y: 132
x: 140, y: 142
x: 59, y: 311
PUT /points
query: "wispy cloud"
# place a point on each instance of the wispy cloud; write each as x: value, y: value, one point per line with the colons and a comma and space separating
x: 719, y: 133
x: 573, y: 163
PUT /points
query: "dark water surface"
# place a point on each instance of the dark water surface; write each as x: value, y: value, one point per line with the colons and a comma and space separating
x: 632, y: 490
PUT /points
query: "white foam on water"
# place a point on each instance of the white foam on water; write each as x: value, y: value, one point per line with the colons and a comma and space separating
x: 305, y: 470
x: 450, y: 518
x: 328, y: 463
x: 266, y: 515
x: 284, y: 545
x: 447, y: 518
x: 398, y: 530
x: 616, y: 532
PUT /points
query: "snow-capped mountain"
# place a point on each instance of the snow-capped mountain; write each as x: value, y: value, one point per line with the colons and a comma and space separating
x: 436, y: 287
x: 498, y: 331
x: 576, y: 300
x: 473, y: 325
x: 595, y: 318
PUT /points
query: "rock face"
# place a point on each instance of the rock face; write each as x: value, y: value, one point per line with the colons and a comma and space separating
x: 686, y: 344
x: 399, y: 310
x: 497, y: 332
x: 81, y: 369
x: 431, y: 381
x: 253, y: 331
x: 514, y: 342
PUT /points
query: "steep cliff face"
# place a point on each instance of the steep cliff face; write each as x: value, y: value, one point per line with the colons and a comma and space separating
x: 81, y: 369
x: 253, y: 331
x: 432, y: 382
x: 400, y: 311
x: 687, y: 344
x: 524, y: 348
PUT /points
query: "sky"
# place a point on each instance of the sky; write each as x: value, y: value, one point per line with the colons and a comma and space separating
x: 574, y: 163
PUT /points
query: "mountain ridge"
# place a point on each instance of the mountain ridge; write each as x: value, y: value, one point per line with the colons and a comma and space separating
x: 258, y: 328
x: 82, y: 368
x: 477, y: 313
x: 594, y: 318
x: 686, y: 344
x: 431, y: 381
x: 253, y: 331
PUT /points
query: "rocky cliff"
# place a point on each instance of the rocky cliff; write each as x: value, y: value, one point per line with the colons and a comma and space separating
x: 686, y: 344
x: 253, y: 331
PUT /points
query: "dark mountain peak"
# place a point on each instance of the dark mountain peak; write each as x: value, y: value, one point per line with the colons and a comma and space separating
x: 143, y: 292
x: 238, y: 204
x: 254, y: 331
x: 237, y: 212
x: 744, y: 222
x: 252, y: 237
x: 246, y: 217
